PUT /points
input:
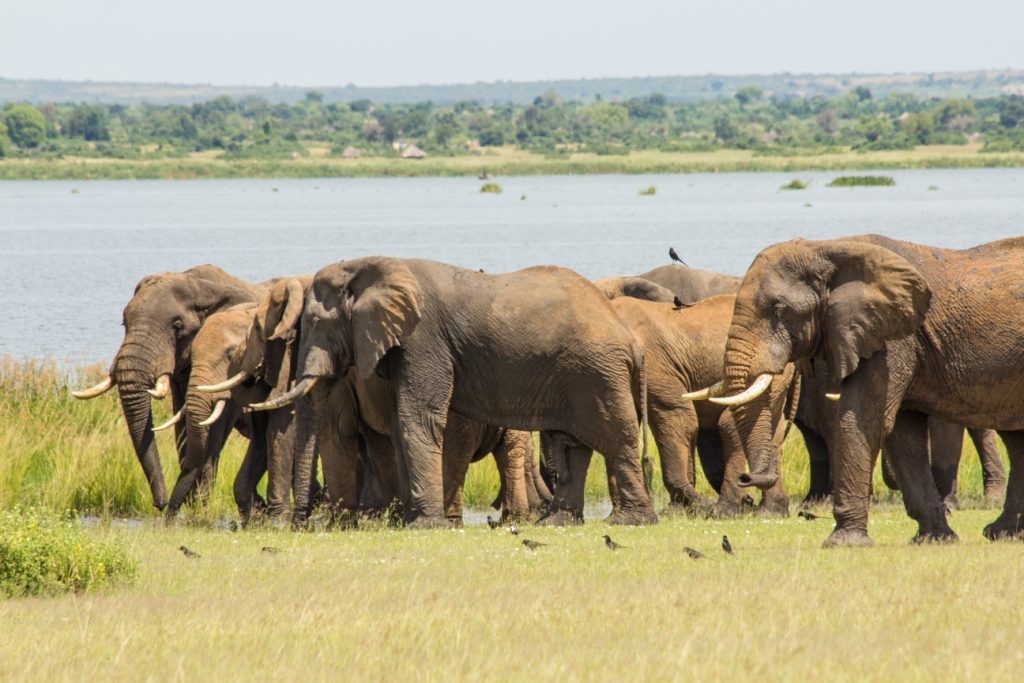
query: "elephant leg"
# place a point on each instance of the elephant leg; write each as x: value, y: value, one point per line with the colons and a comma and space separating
x: 280, y: 462
x: 907, y: 446
x: 712, y: 458
x: 1010, y: 523
x: 731, y: 495
x: 572, y: 462
x: 820, y: 468
x: 458, y: 453
x: 196, y: 459
x: 992, y: 471
x: 419, y: 444
x: 774, y: 500
x: 618, y: 438
x: 512, y: 452
x: 889, y: 472
x: 249, y: 474
x: 547, y: 467
x: 946, y: 444
x: 537, y: 493
x: 674, y: 432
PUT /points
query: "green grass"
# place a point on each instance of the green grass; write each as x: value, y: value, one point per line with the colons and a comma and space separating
x: 862, y: 181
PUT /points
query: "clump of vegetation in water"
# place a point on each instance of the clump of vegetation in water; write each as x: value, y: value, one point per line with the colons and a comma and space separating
x: 933, y: 188
x: 795, y: 185
x: 490, y: 188
x: 650, y: 191
x: 862, y: 180
x: 42, y: 553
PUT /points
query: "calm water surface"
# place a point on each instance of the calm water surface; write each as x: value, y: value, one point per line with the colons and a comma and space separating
x: 71, y: 252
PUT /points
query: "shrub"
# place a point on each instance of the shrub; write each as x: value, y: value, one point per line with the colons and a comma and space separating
x: 490, y: 188
x: 795, y: 185
x: 861, y: 180
x: 42, y: 553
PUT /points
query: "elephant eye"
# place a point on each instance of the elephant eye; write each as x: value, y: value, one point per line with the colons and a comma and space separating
x: 178, y: 324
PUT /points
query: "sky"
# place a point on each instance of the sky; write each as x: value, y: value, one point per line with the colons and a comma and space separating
x: 400, y: 42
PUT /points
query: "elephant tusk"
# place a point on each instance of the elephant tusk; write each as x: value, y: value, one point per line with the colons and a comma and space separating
x: 218, y: 410
x: 175, y: 419
x: 832, y: 397
x: 161, y: 388
x: 759, y: 386
x: 229, y: 383
x: 299, y: 390
x: 95, y: 390
x: 704, y: 394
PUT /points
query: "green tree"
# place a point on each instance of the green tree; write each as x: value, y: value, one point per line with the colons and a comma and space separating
x: 863, y: 93
x: 88, y: 122
x: 26, y: 126
x: 748, y: 94
x: 4, y: 140
x: 446, y: 126
x: 725, y: 128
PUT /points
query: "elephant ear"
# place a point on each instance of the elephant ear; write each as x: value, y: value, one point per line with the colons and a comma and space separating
x: 385, y: 309
x: 281, y: 307
x: 874, y: 296
x: 210, y: 296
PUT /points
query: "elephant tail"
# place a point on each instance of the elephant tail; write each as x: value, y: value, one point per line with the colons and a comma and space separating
x: 640, y: 387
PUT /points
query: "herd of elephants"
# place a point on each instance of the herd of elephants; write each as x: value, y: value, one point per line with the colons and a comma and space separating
x: 396, y: 374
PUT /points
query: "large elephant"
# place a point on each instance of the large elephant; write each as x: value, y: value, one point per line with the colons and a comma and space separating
x: 691, y: 284
x: 153, y: 361
x: 538, y: 349
x: 906, y: 331
x: 816, y: 418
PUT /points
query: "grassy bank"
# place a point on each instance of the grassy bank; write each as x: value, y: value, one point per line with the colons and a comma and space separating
x: 474, y: 605
x: 64, y: 454
x: 501, y: 162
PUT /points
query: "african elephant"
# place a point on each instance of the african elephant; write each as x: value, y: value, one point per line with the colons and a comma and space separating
x: 816, y: 419
x: 906, y: 331
x: 153, y: 361
x: 690, y: 284
x: 538, y: 349
x: 635, y: 287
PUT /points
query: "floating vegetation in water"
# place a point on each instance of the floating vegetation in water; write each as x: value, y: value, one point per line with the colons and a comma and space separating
x: 651, y: 190
x: 522, y: 197
x: 933, y: 188
x: 862, y: 180
x: 490, y: 188
x: 795, y: 185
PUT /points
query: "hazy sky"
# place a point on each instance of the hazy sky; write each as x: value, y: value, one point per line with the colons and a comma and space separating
x: 381, y: 42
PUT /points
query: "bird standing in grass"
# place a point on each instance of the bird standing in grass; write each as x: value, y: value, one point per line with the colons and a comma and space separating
x: 189, y: 553
x: 810, y: 516
x: 493, y: 523
x: 693, y: 553
x: 532, y: 545
x: 726, y: 546
x: 612, y: 545
x: 513, y: 530
x: 270, y: 550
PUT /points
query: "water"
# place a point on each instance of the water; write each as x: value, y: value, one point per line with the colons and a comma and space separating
x: 71, y: 252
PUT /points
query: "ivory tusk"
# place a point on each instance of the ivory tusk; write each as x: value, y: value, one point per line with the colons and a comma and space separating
x: 759, y: 386
x: 300, y: 389
x: 229, y: 383
x: 162, y: 387
x: 704, y: 394
x: 95, y: 390
x: 218, y: 410
x: 175, y: 419
x: 832, y: 397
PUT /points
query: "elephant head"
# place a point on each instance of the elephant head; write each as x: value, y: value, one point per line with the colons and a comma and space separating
x: 840, y: 300
x: 160, y: 322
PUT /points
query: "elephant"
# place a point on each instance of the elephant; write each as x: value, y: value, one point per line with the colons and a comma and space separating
x: 816, y: 419
x: 905, y: 331
x: 635, y: 287
x: 160, y: 321
x: 537, y: 349
x: 690, y: 284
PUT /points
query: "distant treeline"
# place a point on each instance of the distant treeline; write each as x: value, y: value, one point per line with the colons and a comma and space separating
x: 254, y: 128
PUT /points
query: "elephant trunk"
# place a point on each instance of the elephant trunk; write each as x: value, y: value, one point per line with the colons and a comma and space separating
x: 308, y: 414
x: 757, y: 429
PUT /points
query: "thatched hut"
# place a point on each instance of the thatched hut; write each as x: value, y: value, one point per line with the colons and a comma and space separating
x: 413, y: 152
x: 350, y: 153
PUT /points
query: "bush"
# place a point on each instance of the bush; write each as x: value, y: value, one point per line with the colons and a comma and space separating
x: 862, y: 180
x: 26, y: 126
x: 795, y: 185
x: 490, y: 188
x: 42, y: 553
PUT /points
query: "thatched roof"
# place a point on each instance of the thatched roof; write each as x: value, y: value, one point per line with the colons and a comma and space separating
x: 350, y: 153
x: 413, y: 152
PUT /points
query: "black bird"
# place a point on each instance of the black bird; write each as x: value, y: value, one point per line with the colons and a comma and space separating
x: 810, y: 516
x: 190, y: 554
x: 493, y: 523
x: 532, y: 545
x: 694, y: 554
x: 675, y: 257
x: 612, y: 545
x: 269, y: 549
x: 726, y: 546
x: 513, y: 530
x: 677, y: 304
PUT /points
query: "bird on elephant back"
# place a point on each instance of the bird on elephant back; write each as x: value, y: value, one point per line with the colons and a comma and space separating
x: 153, y: 362
x: 817, y: 419
x: 538, y: 349
x: 683, y: 350
x: 906, y: 331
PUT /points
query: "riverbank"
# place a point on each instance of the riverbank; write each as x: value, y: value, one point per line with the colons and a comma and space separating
x: 320, y: 163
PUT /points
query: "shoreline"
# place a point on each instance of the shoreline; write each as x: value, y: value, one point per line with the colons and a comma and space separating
x: 506, y: 162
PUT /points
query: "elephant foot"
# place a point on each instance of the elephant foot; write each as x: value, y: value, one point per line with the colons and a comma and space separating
x: 429, y: 522
x: 773, y: 507
x: 1003, y: 529
x: 994, y: 497
x: 942, y: 536
x: 509, y: 516
x: 848, y: 538
x: 561, y: 518
x: 951, y: 502
x: 725, y: 509
x: 624, y: 517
